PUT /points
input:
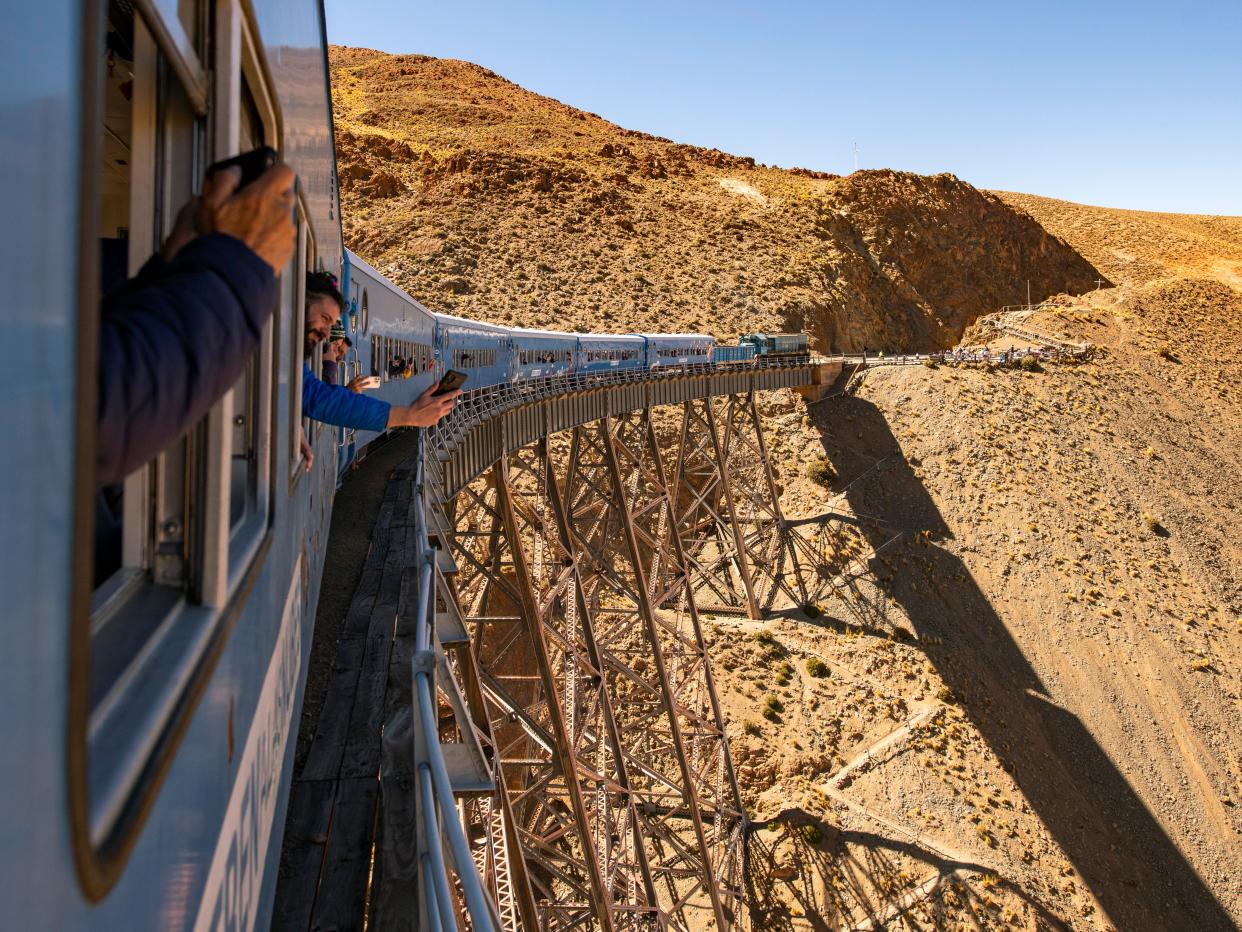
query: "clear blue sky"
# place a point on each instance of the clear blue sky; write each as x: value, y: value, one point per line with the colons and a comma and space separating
x: 1134, y: 104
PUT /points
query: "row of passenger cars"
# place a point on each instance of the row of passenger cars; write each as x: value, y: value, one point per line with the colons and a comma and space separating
x: 387, y: 324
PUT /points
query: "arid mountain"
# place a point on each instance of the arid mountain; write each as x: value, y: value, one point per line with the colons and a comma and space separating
x: 483, y: 198
x: 1135, y: 247
x: 1017, y: 705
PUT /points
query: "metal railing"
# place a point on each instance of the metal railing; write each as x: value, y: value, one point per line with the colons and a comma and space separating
x: 436, y: 803
x: 485, y: 403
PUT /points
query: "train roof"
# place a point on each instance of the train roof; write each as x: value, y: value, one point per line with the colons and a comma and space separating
x: 468, y: 323
x: 619, y: 337
x: 381, y: 279
x: 676, y: 336
x: 548, y: 334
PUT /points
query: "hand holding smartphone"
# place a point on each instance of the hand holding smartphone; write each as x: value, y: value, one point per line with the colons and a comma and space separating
x: 252, y: 164
x: 451, y: 381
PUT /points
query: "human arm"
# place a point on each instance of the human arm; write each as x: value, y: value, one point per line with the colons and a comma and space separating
x: 337, y: 405
x: 174, y: 339
x: 308, y: 452
x: 425, y: 411
x: 171, y: 348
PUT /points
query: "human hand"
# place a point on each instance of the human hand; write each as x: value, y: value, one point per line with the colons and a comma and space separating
x: 363, y: 383
x: 184, y: 229
x: 426, y: 411
x: 260, y: 214
x: 307, y: 453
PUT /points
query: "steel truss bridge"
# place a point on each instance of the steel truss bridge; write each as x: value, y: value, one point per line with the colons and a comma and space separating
x: 563, y: 762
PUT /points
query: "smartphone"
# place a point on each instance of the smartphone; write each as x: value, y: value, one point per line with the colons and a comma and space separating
x: 451, y: 381
x: 252, y: 164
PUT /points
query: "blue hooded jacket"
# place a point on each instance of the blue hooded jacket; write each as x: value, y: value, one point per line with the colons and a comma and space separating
x: 172, y: 341
x: 336, y: 404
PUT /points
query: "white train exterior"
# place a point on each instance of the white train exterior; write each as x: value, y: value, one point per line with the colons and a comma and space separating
x: 149, y: 721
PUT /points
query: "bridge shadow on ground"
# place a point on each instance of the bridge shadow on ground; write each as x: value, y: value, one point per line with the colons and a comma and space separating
x: 803, y: 871
x: 1122, y: 853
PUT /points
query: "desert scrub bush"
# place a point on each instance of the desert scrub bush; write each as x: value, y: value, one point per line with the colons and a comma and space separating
x: 1166, y: 353
x: 821, y: 472
x: 1152, y: 523
x: 772, y: 707
x: 811, y: 834
x: 1030, y: 364
x: 945, y: 695
x: 750, y: 728
x: 783, y: 673
x: 929, y: 362
x: 816, y: 668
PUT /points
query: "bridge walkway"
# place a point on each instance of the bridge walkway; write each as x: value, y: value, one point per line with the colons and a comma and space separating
x: 334, y: 867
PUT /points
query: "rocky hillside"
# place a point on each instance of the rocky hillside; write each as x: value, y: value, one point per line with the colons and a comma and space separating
x: 1134, y: 247
x: 1023, y: 710
x: 485, y: 199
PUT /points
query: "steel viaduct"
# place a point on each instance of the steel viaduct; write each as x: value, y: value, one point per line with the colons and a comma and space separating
x: 522, y: 730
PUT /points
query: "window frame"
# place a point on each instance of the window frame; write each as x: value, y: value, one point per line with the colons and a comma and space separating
x: 304, y: 259
x: 196, y: 627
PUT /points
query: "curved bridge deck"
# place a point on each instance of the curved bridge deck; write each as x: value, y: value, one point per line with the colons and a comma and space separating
x: 409, y: 734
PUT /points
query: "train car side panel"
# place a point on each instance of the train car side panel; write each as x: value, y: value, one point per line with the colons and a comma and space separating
x: 603, y: 352
x: 41, y: 137
x: 479, y: 350
x: 540, y: 354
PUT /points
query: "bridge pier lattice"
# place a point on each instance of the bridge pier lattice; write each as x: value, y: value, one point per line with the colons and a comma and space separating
x: 596, y: 686
x: 577, y: 558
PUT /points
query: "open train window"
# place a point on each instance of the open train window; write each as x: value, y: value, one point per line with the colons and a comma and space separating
x: 295, y: 290
x: 247, y: 412
x: 176, y: 541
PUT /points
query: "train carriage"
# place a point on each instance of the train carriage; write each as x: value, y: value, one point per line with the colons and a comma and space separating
x: 726, y: 355
x: 604, y: 352
x: 677, y: 349
x: 151, y: 689
x: 540, y: 354
x: 478, y: 349
x: 394, y: 338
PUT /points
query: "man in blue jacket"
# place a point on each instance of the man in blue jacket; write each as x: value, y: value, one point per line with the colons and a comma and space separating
x: 177, y: 336
x: 173, y: 339
x: 336, y: 404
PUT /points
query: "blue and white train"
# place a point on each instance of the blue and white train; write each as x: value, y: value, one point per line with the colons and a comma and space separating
x: 148, y: 716
x: 409, y: 347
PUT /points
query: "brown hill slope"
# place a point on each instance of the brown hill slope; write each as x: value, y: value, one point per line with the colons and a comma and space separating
x: 1027, y: 713
x: 1070, y: 578
x: 481, y: 197
x: 1134, y: 246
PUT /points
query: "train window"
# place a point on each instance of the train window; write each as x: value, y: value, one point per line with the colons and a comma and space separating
x: 366, y: 313
x: 137, y: 654
x: 248, y: 411
x: 304, y: 260
x: 152, y: 156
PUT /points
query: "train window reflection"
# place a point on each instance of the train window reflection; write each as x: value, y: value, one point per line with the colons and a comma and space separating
x: 249, y: 464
